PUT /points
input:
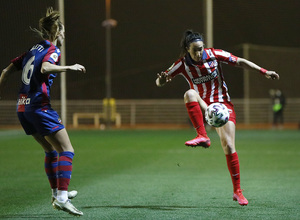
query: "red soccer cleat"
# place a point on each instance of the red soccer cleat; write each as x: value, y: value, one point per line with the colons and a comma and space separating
x: 238, y: 196
x: 199, y: 141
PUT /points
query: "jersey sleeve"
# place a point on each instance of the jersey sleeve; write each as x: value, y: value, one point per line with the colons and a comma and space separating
x: 52, y: 55
x: 225, y: 57
x: 175, y: 68
x: 18, y: 61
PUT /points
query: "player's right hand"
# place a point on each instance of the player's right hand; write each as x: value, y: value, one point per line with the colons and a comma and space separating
x: 164, y: 77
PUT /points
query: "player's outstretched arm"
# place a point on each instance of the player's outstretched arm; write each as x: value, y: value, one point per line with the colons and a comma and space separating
x: 5, y: 74
x: 52, y: 68
x: 241, y: 62
x: 162, y: 79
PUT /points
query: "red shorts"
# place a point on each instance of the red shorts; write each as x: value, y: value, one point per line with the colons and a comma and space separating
x: 229, y: 105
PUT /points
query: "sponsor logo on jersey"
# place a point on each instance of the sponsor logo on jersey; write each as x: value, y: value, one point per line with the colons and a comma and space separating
x: 206, y: 78
x: 22, y: 101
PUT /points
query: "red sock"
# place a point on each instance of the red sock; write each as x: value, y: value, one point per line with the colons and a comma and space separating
x: 234, y: 170
x: 196, y: 117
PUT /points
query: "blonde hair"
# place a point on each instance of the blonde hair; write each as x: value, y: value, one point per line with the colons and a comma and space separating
x: 49, y: 26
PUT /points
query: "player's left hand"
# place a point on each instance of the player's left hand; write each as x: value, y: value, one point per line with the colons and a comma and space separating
x: 78, y: 68
x: 271, y: 75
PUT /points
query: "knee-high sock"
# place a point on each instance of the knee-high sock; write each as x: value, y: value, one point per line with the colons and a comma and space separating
x: 234, y: 169
x: 51, y: 168
x: 196, y: 116
x: 64, y: 170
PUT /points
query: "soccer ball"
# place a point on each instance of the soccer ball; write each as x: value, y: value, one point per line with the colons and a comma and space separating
x: 216, y: 115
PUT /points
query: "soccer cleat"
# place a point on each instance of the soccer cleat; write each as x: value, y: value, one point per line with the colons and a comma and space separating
x: 199, y: 141
x: 71, y: 195
x: 238, y: 196
x: 67, y: 207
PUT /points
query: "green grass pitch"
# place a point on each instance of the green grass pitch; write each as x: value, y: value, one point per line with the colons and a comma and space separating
x: 150, y: 174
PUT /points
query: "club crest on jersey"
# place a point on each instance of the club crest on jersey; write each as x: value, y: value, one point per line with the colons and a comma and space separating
x: 206, y: 78
x: 213, y: 64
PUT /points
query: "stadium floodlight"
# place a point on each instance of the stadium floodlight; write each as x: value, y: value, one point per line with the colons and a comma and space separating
x: 108, y: 23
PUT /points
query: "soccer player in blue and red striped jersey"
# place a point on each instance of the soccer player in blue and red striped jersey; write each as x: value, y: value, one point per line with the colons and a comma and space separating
x: 201, y: 67
x: 40, y: 66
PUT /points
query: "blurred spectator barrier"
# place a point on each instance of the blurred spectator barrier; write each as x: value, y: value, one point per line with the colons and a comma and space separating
x: 109, y: 110
x: 155, y: 111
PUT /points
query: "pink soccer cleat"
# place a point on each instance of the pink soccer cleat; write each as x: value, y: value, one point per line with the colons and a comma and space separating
x: 238, y: 196
x: 199, y: 141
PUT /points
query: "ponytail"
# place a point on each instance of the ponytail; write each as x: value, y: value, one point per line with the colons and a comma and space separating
x: 188, y: 37
x: 49, y: 25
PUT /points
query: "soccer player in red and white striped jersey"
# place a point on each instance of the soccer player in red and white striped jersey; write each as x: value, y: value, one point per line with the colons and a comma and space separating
x: 201, y: 67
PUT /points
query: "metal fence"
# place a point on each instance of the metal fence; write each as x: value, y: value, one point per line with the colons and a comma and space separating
x: 137, y: 112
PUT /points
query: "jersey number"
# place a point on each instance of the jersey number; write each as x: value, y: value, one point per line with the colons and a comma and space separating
x: 27, y: 71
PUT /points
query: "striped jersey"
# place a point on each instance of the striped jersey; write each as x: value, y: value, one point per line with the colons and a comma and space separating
x: 35, y: 89
x: 206, y: 77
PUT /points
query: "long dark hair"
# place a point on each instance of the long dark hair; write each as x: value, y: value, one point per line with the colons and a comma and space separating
x: 188, y: 37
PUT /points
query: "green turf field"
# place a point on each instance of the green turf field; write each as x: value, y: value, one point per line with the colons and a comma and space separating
x: 150, y: 174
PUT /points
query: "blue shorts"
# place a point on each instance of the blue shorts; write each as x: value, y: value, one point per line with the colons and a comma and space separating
x: 43, y: 122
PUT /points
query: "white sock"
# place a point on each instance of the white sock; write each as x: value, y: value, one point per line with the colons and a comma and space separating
x: 62, y: 196
x: 54, y: 192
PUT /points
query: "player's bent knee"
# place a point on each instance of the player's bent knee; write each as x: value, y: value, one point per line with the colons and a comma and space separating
x: 190, y: 96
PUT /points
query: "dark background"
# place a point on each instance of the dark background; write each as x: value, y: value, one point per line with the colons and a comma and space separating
x: 146, y: 41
